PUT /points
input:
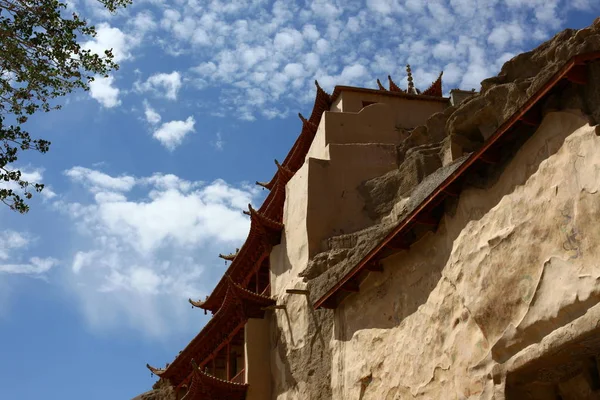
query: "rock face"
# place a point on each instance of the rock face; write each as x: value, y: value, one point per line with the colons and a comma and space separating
x: 161, y: 390
x: 501, y: 301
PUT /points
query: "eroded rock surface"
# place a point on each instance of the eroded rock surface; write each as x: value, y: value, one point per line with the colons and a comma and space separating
x: 160, y: 391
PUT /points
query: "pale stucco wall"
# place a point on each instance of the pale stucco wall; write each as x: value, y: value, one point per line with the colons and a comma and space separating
x: 408, y: 113
x: 373, y: 124
x: 508, y: 265
x: 334, y: 205
x: 258, y: 365
x: 348, y: 149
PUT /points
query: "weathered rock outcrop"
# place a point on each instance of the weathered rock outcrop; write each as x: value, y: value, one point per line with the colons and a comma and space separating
x: 160, y: 391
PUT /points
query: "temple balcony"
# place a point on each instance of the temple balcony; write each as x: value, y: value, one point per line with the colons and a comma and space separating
x: 228, y: 359
x: 238, y: 369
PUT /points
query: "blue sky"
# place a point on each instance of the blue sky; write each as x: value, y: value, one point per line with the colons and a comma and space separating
x: 148, y: 173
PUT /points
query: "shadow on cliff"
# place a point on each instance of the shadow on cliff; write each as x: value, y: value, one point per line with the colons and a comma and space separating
x: 309, y: 363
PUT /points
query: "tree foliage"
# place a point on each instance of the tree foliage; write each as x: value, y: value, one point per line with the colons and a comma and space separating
x: 41, y: 58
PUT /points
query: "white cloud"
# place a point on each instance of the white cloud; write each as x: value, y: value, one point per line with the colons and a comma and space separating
x: 140, y: 259
x: 171, y: 134
x: 35, y: 266
x: 144, y: 22
x: 263, y: 60
x: 288, y: 40
x: 505, y: 34
x: 108, y: 38
x: 11, y: 240
x: 473, y: 76
x: 452, y: 74
x: 311, y: 32
x: 170, y: 181
x: 444, y: 50
x: 383, y: 6
x: 102, y: 90
x: 165, y: 85
x: 152, y: 117
x: 219, y: 143
x: 97, y: 181
x: 294, y: 70
x: 12, y: 247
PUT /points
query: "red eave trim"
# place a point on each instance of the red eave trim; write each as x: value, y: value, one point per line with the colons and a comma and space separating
x: 272, y: 206
x: 407, y: 222
x: 235, y: 296
x: 339, y: 89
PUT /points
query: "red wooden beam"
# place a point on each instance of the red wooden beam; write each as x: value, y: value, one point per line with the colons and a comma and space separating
x: 375, y: 266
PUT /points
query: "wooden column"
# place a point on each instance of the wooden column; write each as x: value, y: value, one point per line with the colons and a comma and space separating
x: 228, y: 355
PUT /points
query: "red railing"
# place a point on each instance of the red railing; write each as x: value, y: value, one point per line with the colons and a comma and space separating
x: 240, y: 377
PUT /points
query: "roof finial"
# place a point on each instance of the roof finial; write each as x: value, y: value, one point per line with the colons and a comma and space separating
x: 411, y: 85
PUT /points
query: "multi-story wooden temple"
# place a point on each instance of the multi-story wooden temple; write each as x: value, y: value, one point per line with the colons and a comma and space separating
x: 420, y: 246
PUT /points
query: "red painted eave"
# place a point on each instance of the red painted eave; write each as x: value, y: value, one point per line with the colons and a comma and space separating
x: 219, y: 328
x: 564, y: 73
x: 272, y: 207
x: 339, y: 89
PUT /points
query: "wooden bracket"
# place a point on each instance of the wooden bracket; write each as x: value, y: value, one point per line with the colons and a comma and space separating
x: 531, y: 118
x: 398, y: 243
x: 329, y: 304
x: 426, y: 219
x: 297, y: 291
x: 577, y: 75
x: 374, y: 266
x: 274, y: 307
x: 451, y: 191
x: 351, y: 286
x: 490, y: 158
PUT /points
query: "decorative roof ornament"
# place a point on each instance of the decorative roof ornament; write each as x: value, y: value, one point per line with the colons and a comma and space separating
x: 156, y: 371
x: 197, y: 303
x: 229, y: 257
x: 436, y: 87
x: 264, y: 185
x: 411, y: 86
x: 285, y: 174
x: 262, y: 221
x: 393, y: 86
x: 435, y: 90
x: 322, y: 103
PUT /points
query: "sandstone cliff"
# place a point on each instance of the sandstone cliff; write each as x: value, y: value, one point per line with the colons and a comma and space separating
x: 489, y: 304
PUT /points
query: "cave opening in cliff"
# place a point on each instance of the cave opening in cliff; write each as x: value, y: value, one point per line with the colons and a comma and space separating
x: 571, y: 372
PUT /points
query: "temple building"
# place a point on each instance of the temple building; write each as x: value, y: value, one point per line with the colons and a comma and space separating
x: 414, y: 245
